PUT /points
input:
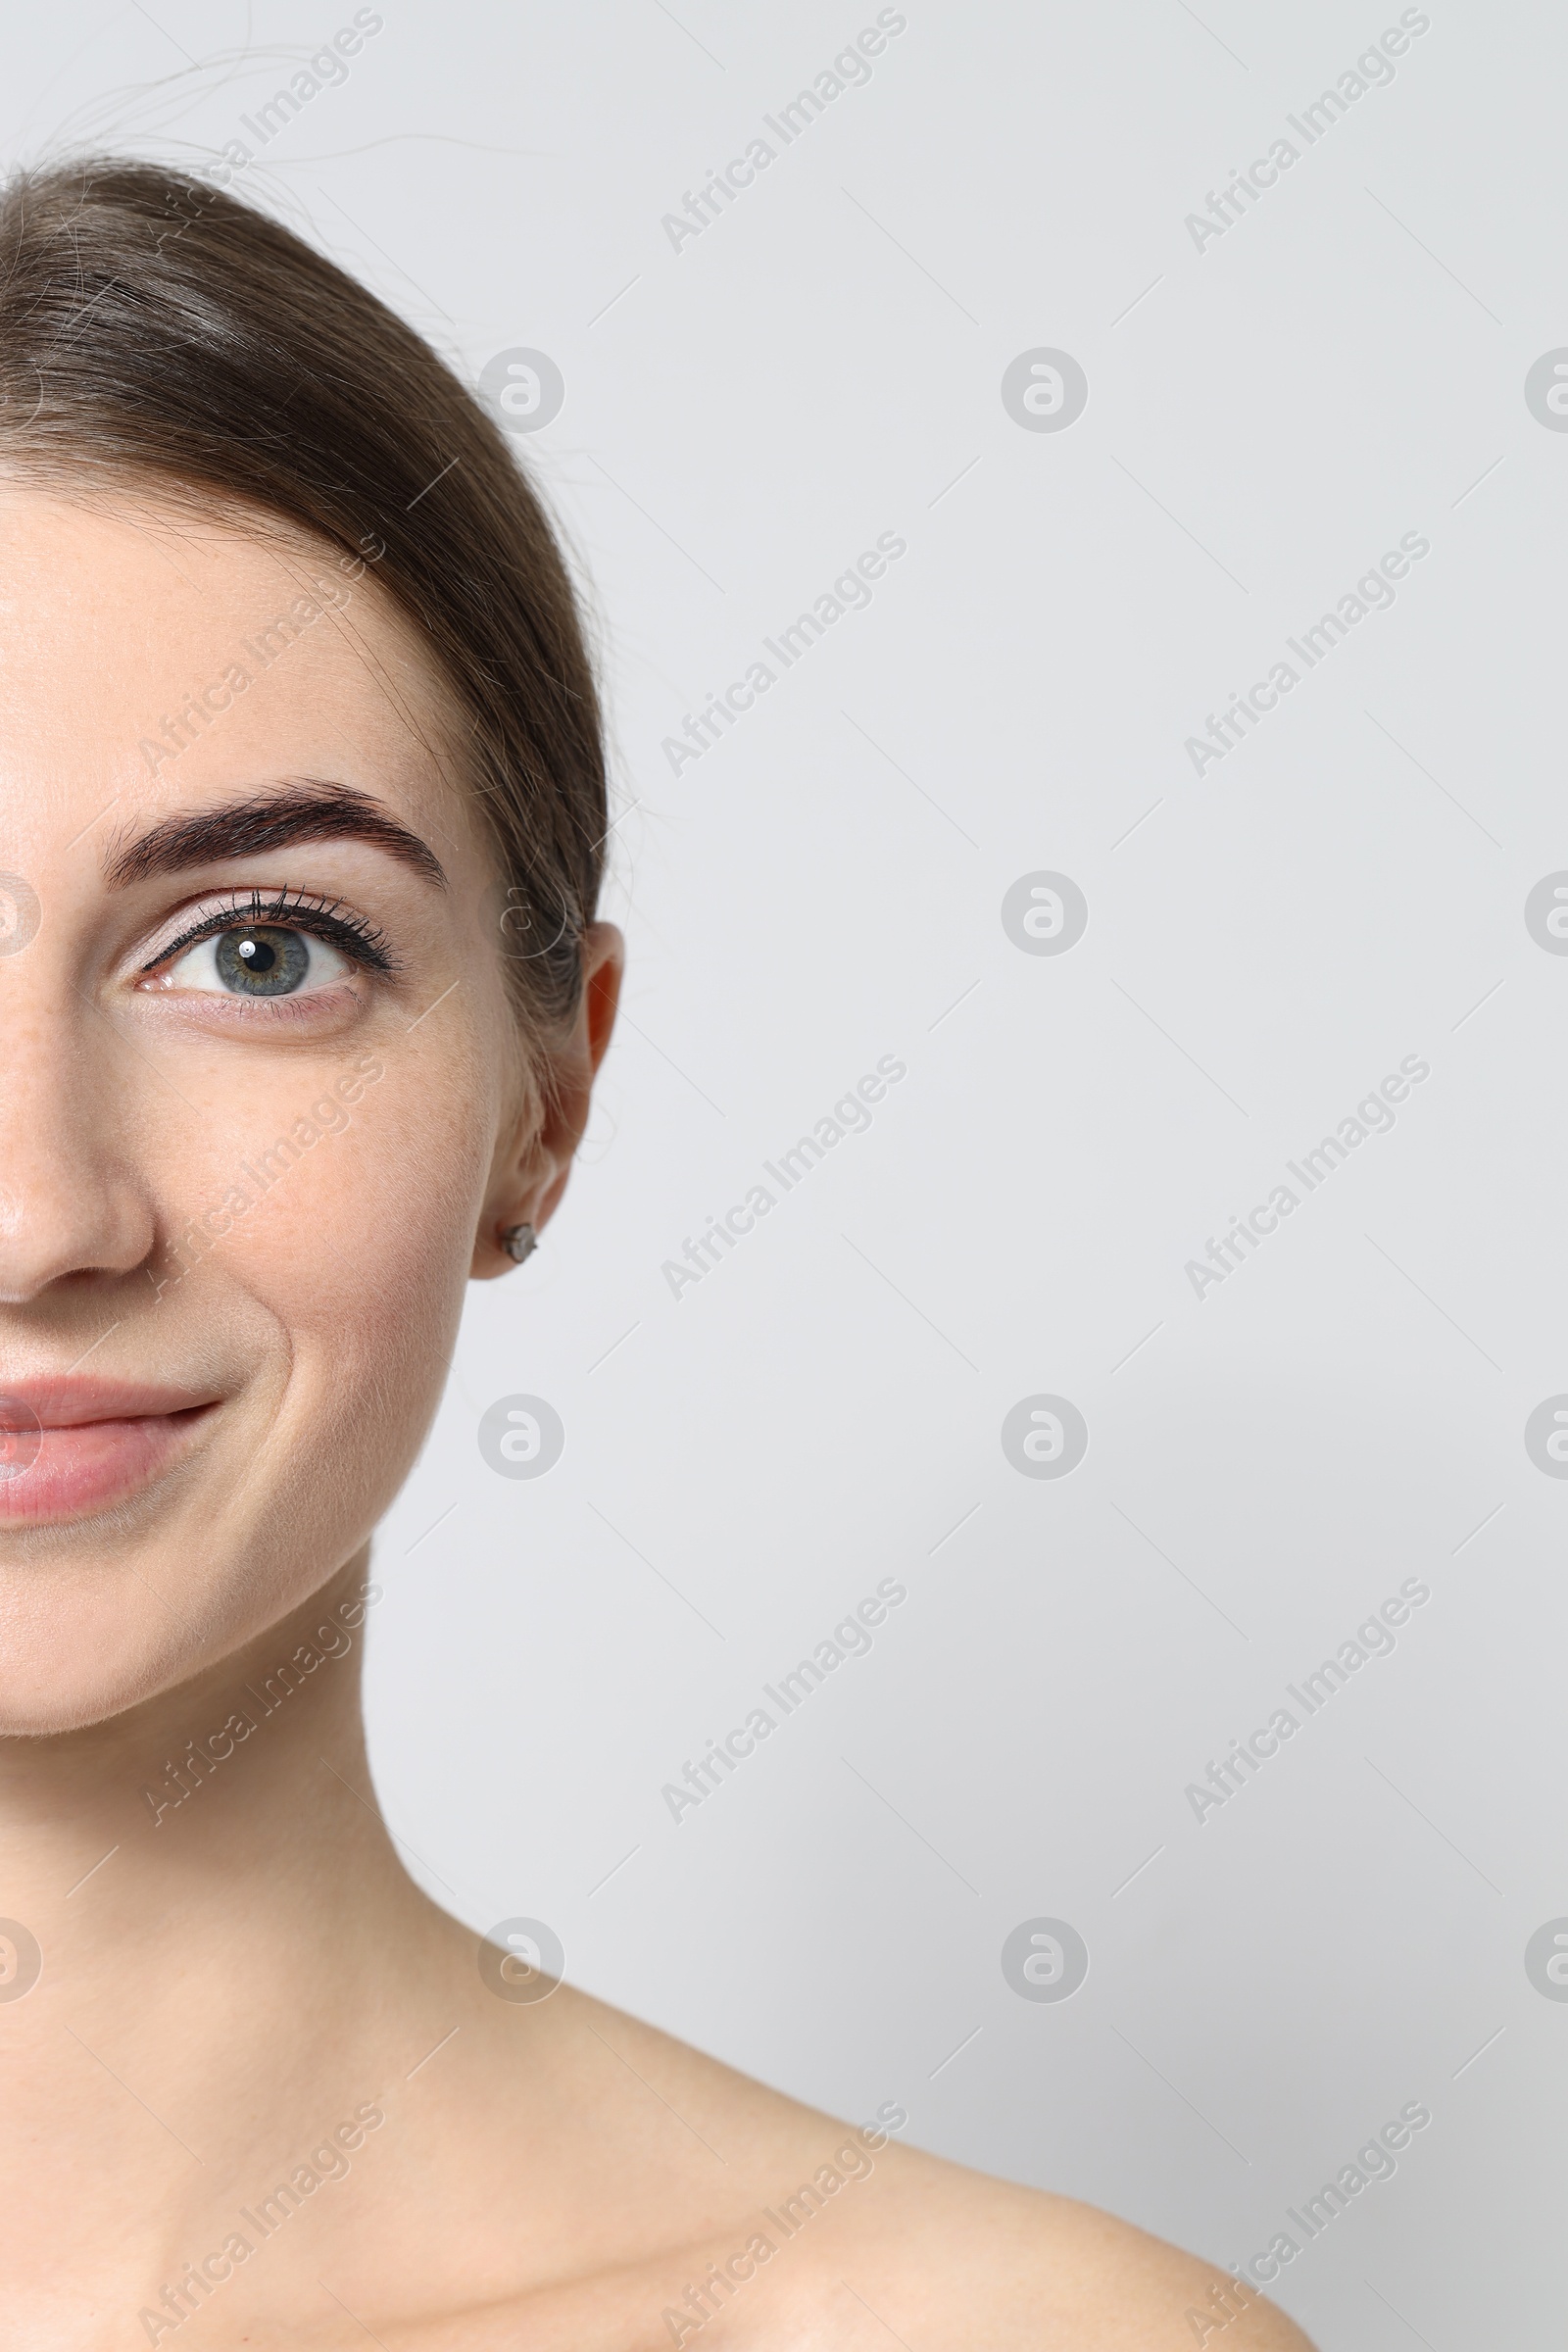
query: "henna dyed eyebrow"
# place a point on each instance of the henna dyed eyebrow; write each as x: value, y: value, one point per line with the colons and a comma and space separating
x: 267, y: 821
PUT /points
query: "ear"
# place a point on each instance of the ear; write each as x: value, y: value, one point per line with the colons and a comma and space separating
x: 532, y: 1165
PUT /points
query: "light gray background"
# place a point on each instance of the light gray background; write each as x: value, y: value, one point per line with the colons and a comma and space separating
x: 1265, y: 418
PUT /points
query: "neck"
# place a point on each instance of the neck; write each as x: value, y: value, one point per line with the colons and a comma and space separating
x: 213, y: 1895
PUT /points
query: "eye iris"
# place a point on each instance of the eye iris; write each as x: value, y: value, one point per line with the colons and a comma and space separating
x: 262, y: 961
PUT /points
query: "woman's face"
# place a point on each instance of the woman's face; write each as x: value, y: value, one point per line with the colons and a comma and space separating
x: 259, y: 1087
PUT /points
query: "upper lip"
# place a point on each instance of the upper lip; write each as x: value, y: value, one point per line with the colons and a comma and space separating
x: 67, y: 1403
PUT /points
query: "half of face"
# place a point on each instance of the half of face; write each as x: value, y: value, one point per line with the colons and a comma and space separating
x: 262, y: 1081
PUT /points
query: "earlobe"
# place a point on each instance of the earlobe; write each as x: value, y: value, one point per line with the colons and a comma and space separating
x: 501, y: 1246
x: 532, y: 1166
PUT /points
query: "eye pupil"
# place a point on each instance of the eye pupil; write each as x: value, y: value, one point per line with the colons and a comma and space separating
x: 263, y: 959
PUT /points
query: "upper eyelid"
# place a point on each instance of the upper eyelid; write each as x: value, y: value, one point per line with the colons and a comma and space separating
x: 353, y: 934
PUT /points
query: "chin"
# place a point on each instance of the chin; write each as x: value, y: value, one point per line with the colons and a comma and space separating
x: 107, y: 1681
x: 84, y: 1641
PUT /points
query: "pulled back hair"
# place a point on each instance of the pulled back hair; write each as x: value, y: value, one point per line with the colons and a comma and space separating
x: 156, y: 331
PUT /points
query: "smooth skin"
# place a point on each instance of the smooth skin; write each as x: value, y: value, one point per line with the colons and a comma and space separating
x: 228, y: 1985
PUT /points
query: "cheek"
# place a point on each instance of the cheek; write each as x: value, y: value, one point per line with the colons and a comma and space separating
x: 326, y: 1312
x: 357, y: 1258
x: 355, y: 1248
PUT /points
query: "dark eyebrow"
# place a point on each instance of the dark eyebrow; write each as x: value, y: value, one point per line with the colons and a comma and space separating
x: 267, y: 820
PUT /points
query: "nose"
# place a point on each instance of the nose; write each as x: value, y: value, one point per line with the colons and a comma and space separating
x: 72, y: 1201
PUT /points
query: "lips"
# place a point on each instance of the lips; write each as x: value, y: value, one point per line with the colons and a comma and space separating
x: 72, y: 1447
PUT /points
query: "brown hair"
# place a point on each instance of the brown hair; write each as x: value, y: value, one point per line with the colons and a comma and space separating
x: 153, y: 327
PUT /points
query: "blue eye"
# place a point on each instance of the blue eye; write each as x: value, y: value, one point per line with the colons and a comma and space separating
x: 261, y: 961
x: 258, y: 960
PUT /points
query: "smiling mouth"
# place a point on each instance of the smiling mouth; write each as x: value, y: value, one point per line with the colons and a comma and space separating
x: 71, y: 1448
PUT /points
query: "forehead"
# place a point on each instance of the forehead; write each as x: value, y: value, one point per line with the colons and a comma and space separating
x: 155, y: 658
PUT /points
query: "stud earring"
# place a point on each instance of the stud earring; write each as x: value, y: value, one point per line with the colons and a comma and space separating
x: 519, y: 1241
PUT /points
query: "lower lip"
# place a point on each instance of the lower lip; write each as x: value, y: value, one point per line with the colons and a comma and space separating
x: 88, y: 1466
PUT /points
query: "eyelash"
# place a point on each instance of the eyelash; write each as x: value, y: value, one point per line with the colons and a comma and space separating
x: 350, y: 934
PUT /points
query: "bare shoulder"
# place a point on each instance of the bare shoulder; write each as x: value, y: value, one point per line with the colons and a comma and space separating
x: 835, y: 2234
x: 1001, y: 2268
x: 696, y: 2208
